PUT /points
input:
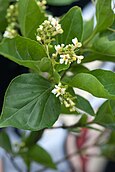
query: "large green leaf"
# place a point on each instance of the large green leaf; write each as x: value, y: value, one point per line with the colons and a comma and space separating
x: 3, y: 8
x: 23, y: 51
x: 30, y: 17
x: 104, y: 14
x: 105, y: 44
x: 29, y: 103
x: 106, y: 78
x: 60, y: 2
x: 84, y: 105
x: 72, y: 24
x: 92, y: 55
x: 106, y: 114
x: 99, y: 83
x: 39, y: 155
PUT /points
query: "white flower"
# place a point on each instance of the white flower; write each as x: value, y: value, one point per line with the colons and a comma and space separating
x: 72, y: 109
x: 65, y: 59
x: 79, y: 58
x: 66, y: 104
x: 38, y: 38
x: 57, y: 48
x: 40, y: 27
x: 58, y: 90
x: 76, y: 43
x: 9, y: 34
x: 71, y: 102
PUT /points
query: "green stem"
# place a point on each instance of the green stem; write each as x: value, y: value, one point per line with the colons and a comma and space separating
x: 111, y: 29
x: 47, y: 51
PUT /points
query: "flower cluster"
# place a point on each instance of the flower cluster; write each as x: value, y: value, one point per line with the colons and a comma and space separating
x: 67, y: 53
x: 42, y: 4
x: 48, y: 30
x: 10, y: 32
x: 65, y: 97
x: 11, y: 16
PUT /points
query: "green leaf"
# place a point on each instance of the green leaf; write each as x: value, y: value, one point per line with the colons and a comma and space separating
x: 106, y: 78
x: 60, y: 2
x: 56, y: 76
x: 83, y: 120
x: 84, y: 105
x: 30, y: 17
x: 5, y: 141
x: 45, y: 64
x: 29, y: 103
x: 104, y: 15
x: 92, y: 55
x: 105, y: 44
x: 3, y: 9
x: 108, y: 151
x: 99, y: 83
x: 75, y: 69
x: 72, y: 25
x: 60, y: 67
x: 23, y: 51
x: 39, y: 155
x: 111, y: 137
x: 106, y: 114
x: 88, y: 28
x: 33, y: 138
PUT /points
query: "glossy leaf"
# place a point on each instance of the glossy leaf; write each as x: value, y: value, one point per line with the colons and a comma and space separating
x: 60, y: 67
x: 83, y: 120
x: 33, y: 138
x: 104, y: 15
x: 70, y: 26
x: 45, y: 64
x: 99, y: 83
x: 29, y: 103
x: 5, y: 141
x: 23, y: 51
x: 3, y: 9
x: 30, y: 17
x: 92, y: 55
x: 39, y: 155
x: 84, y: 105
x: 106, y: 114
x: 105, y: 44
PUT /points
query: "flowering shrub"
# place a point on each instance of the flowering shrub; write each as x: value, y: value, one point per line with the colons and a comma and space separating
x: 51, y: 48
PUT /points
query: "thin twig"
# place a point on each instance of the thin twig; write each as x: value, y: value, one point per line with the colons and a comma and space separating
x: 77, y: 125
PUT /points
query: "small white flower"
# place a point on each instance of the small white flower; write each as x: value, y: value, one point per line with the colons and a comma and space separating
x: 38, y: 38
x: 71, y: 102
x: 79, y: 58
x: 57, y: 48
x: 76, y: 43
x: 65, y: 59
x: 40, y: 27
x: 9, y: 34
x: 66, y: 104
x: 72, y: 109
x: 58, y: 90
